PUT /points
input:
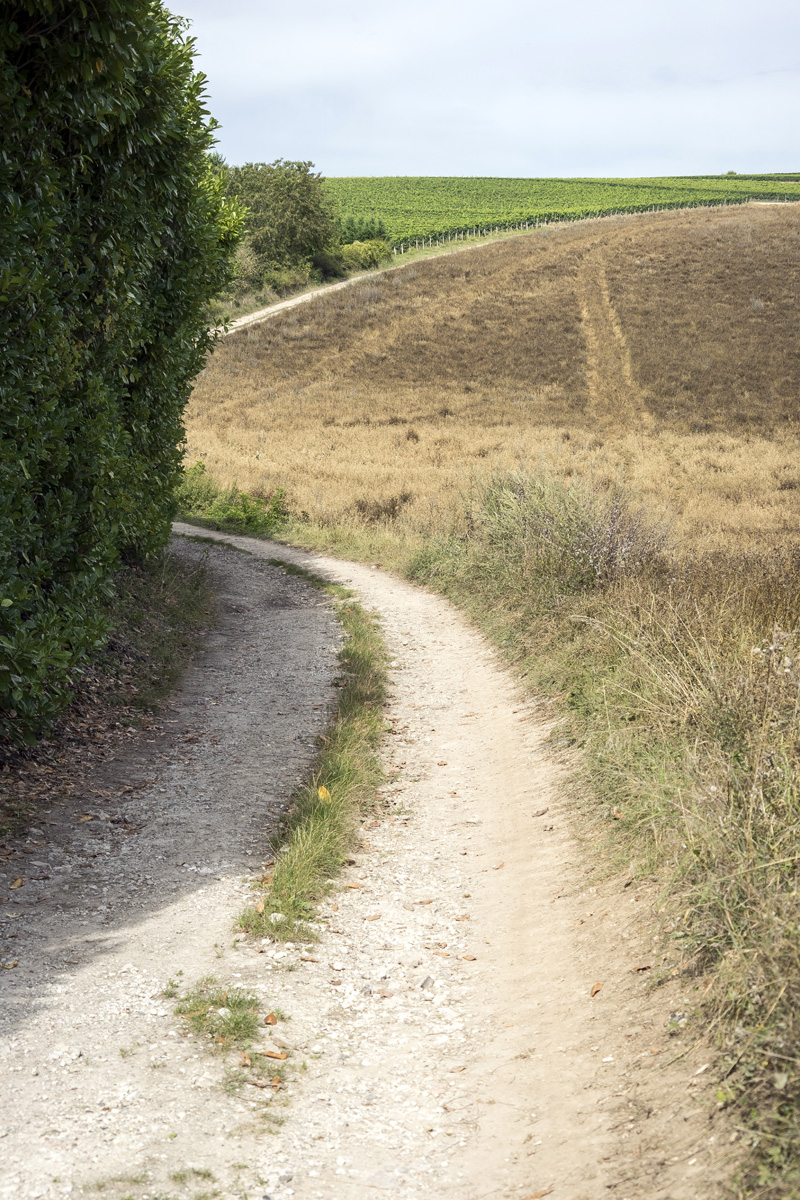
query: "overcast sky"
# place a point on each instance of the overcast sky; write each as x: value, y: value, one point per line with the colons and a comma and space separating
x: 613, y: 87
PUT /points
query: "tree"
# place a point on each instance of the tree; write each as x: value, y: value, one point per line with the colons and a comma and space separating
x: 290, y: 220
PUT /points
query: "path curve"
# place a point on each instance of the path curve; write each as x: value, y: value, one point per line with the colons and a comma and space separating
x: 443, y: 1038
x: 489, y: 1068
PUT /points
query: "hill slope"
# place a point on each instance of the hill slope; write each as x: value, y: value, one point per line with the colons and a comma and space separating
x: 657, y: 350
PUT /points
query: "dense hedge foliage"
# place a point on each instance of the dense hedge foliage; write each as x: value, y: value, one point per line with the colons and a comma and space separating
x: 114, y: 234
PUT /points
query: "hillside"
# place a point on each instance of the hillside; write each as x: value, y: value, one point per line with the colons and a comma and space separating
x: 657, y: 350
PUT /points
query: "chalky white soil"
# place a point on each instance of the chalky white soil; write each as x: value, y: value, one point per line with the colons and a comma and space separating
x: 442, y: 1036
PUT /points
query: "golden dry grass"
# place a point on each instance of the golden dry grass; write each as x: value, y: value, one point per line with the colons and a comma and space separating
x: 657, y: 351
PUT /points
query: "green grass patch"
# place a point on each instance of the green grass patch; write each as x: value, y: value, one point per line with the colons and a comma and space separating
x: 227, y: 1016
x: 202, y: 502
x: 325, y: 811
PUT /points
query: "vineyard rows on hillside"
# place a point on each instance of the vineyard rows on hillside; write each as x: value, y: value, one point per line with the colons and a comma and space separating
x: 414, y: 208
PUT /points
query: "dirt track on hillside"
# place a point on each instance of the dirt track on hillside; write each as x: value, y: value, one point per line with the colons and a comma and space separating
x: 443, y: 1037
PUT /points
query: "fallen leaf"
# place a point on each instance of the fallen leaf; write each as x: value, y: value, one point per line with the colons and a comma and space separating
x: 259, y: 1083
x: 276, y: 1082
x: 354, y: 885
x: 323, y: 793
x: 641, y: 967
x: 617, y: 814
x: 382, y: 992
x: 259, y: 906
x: 423, y: 902
x: 10, y: 966
x: 244, y: 1061
x: 464, y: 917
x: 272, y: 1053
x: 596, y: 987
x: 270, y: 1019
x: 86, y: 817
x: 442, y: 953
x: 220, y: 1039
x: 468, y: 957
x: 441, y: 764
x: 17, y: 883
x: 308, y: 958
x: 374, y: 917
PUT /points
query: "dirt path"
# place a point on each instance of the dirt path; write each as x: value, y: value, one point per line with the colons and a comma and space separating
x: 443, y: 1038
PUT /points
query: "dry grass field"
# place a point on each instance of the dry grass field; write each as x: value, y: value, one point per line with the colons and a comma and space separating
x: 659, y: 352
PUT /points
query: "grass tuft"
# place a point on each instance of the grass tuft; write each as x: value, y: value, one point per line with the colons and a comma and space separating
x: 201, y: 501
x: 325, y: 811
x: 229, y: 1016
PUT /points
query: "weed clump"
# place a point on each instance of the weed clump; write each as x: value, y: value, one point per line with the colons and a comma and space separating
x: 201, y: 501
x: 228, y: 1016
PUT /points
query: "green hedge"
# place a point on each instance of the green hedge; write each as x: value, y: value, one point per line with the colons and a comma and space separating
x: 114, y: 234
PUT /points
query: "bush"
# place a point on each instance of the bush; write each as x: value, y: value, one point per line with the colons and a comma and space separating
x: 199, y: 499
x: 115, y: 235
x: 364, y: 255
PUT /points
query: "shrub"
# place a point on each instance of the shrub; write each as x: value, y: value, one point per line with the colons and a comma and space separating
x: 200, y: 499
x: 290, y: 218
x: 115, y: 235
x: 363, y: 255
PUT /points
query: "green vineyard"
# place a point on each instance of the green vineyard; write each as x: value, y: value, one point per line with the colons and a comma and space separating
x: 413, y: 209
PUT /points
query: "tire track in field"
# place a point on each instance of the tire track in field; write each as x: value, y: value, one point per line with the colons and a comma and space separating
x: 612, y: 388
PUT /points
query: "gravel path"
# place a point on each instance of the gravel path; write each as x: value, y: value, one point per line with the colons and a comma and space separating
x: 443, y: 1038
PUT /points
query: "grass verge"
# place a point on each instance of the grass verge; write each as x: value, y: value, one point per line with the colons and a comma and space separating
x: 325, y: 810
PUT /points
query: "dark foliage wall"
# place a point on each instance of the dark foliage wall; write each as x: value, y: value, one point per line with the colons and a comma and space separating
x: 114, y: 234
